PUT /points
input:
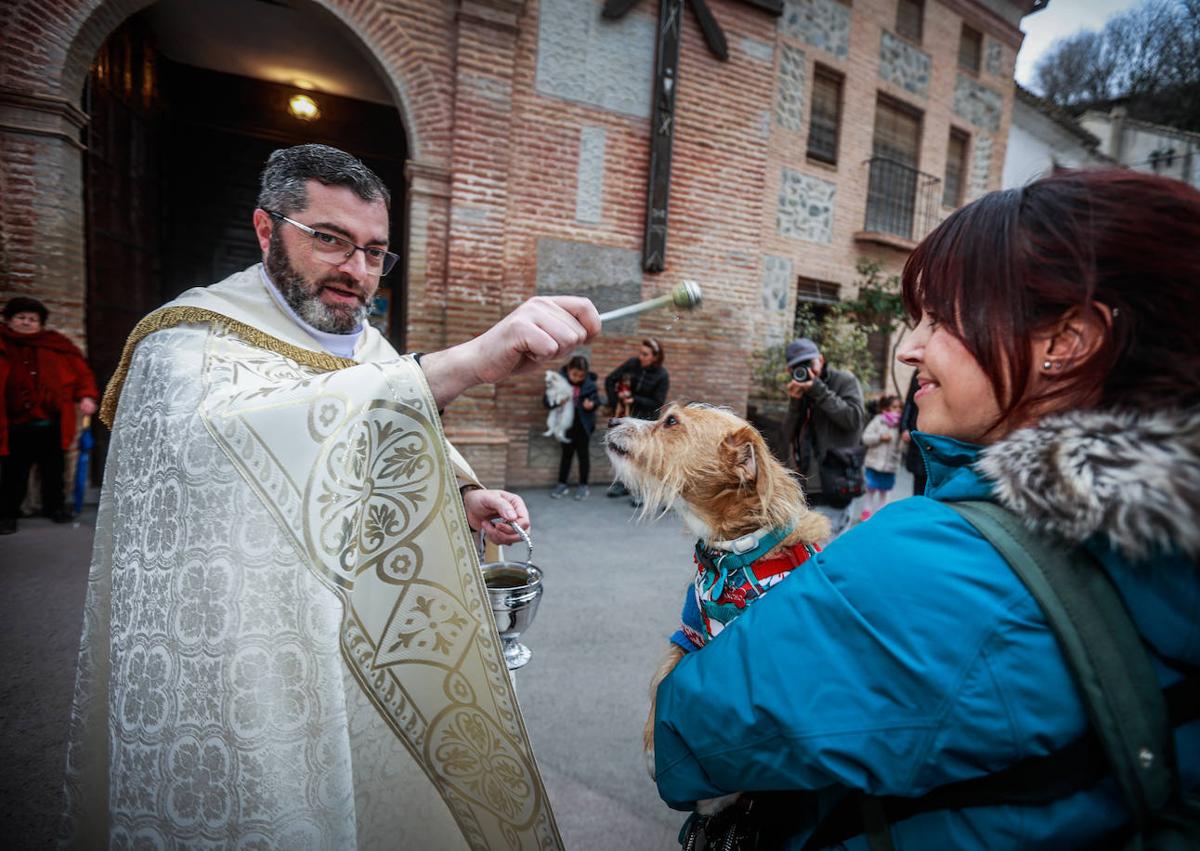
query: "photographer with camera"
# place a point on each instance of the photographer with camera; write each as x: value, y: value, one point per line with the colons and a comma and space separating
x: 823, y: 430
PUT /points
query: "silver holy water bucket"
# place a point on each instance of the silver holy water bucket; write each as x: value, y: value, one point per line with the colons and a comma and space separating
x: 514, y: 589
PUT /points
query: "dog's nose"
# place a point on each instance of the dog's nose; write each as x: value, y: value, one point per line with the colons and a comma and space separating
x: 613, y: 422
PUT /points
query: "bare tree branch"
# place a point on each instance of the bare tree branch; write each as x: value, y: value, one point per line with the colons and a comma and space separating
x: 1149, y: 57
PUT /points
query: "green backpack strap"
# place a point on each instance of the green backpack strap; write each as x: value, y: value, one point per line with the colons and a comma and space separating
x: 1103, y: 649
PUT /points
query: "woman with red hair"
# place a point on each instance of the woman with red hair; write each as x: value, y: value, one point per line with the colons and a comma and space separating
x: 42, y: 378
x: 907, y: 686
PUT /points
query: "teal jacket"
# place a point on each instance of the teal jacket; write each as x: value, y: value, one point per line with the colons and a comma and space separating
x: 908, y: 655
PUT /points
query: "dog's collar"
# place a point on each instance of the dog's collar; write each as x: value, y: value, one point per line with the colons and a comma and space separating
x: 753, y: 540
x: 749, y: 548
x: 725, y: 557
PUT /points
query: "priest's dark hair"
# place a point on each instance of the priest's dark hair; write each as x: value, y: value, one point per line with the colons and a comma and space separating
x: 288, y: 170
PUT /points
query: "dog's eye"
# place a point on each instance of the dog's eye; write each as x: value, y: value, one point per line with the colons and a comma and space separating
x: 671, y: 420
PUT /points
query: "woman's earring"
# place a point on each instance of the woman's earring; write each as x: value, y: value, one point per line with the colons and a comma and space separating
x: 1046, y: 364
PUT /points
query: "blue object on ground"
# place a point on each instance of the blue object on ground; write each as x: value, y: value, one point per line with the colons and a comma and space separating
x: 86, y: 442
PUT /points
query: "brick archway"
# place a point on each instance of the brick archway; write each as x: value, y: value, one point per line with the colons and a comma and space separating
x: 42, y: 74
x: 380, y: 31
x: 440, y: 60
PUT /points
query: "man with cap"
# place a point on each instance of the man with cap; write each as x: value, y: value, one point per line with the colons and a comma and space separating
x: 825, y: 413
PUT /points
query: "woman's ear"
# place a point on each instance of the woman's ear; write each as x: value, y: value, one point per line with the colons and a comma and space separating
x: 1074, y: 339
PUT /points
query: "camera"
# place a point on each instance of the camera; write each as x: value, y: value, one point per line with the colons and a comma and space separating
x: 802, y: 372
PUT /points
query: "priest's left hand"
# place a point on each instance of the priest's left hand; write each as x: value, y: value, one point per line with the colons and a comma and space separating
x: 483, y: 506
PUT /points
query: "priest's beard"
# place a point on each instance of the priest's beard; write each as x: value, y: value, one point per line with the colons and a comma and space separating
x: 305, y: 298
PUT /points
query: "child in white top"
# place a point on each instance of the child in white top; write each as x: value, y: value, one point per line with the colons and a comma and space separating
x: 882, y: 439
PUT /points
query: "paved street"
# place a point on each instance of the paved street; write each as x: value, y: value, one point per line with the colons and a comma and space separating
x: 612, y: 593
x: 613, y: 590
x: 43, y: 569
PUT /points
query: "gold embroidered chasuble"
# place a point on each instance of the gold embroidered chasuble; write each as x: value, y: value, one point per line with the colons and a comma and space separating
x: 287, y: 641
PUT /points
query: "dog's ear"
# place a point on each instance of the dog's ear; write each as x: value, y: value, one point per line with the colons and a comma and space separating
x: 738, y: 450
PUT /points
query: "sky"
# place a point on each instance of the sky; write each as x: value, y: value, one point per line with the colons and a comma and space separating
x: 1061, y: 18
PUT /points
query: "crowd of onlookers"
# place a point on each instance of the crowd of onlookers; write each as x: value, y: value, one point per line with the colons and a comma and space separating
x: 844, y: 449
x: 49, y: 391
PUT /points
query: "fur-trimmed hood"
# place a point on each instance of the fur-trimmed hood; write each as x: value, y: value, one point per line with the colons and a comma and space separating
x: 1133, y: 477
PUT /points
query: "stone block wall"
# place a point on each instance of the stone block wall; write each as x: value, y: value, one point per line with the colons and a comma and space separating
x: 904, y: 64
x: 40, y: 253
x: 790, y: 89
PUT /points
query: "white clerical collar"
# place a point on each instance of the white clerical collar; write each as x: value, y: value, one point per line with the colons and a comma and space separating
x: 342, y: 345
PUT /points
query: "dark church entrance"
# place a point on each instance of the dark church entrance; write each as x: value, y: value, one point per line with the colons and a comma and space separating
x: 186, y: 100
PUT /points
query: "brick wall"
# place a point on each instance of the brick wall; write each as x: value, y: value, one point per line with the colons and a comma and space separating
x: 528, y: 125
x: 729, y: 160
x: 41, y: 250
x: 716, y: 198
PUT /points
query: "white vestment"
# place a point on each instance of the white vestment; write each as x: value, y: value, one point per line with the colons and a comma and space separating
x: 287, y: 642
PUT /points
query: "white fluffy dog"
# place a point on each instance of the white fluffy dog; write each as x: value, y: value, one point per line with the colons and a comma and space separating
x: 560, y: 398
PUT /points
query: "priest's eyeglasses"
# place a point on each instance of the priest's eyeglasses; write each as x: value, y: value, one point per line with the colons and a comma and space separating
x: 336, y: 250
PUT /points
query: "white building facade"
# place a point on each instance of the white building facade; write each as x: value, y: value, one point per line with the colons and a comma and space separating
x: 1143, y: 146
x: 1043, y: 137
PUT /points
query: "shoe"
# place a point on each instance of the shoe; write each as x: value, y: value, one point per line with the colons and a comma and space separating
x: 560, y: 490
x: 582, y: 492
x: 8, y: 525
x: 617, y: 489
x: 62, y: 516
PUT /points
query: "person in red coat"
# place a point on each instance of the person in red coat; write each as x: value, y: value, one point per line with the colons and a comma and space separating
x: 43, y: 376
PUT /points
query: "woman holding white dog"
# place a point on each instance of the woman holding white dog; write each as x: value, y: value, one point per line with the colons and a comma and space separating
x: 907, y: 686
x: 585, y: 397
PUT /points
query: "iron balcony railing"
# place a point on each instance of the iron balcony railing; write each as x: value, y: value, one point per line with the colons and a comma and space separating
x: 901, y: 200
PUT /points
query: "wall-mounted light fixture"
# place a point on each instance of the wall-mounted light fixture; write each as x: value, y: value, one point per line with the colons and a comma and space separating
x: 304, y: 108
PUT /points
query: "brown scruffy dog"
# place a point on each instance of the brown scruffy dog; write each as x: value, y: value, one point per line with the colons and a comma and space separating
x: 714, y: 469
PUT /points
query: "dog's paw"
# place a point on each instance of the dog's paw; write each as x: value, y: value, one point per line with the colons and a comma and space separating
x: 648, y: 755
x: 712, y: 806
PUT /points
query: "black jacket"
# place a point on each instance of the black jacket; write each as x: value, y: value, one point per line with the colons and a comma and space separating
x: 649, y: 387
x: 587, y: 390
x: 834, y: 415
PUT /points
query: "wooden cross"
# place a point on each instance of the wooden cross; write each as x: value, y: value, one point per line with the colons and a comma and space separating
x: 662, y: 122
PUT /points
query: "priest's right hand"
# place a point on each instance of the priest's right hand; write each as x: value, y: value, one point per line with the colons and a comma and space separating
x: 543, y: 329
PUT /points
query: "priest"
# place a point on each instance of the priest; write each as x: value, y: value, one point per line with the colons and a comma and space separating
x: 286, y: 641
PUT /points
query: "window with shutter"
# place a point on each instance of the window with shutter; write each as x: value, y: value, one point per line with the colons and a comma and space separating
x: 892, y: 184
x: 909, y: 19
x: 970, y: 48
x: 818, y: 292
x: 825, y: 122
x: 956, y: 168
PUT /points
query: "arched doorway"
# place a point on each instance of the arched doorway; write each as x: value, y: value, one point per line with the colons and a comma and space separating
x: 186, y: 99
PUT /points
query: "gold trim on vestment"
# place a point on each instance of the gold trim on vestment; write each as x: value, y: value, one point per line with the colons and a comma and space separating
x: 417, y: 635
x: 169, y: 317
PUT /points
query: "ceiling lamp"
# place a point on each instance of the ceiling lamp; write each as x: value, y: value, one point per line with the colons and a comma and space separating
x: 304, y: 108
